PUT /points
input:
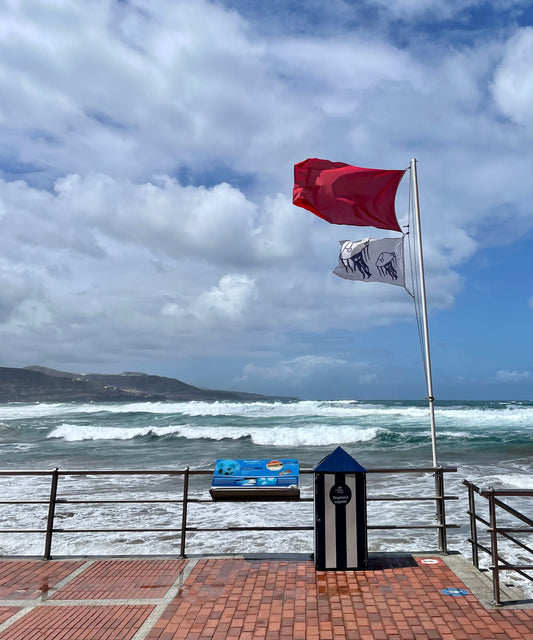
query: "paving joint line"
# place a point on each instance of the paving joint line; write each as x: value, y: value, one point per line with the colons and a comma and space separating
x: 28, y: 605
x: 50, y: 592
x: 96, y: 602
x: 15, y: 617
x: 158, y: 611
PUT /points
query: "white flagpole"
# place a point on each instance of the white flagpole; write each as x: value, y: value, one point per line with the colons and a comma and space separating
x: 429, y: 381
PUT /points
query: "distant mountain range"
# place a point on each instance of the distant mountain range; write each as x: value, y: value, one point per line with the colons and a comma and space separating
x: 40, y: 384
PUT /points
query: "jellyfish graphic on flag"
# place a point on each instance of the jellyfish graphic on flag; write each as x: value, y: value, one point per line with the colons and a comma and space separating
x: 372, y: 260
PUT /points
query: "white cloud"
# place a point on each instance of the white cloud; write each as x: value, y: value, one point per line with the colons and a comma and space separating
x: 227, y: 301
x: 232, y: 296
x: 512, y: 87
x: 156, y: 86
x: 217, y: 224
x: 15, y: 287
x: 297, y: 371
x: 508, y: 376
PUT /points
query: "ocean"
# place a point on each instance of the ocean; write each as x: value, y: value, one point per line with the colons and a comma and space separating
x: 490, y: 443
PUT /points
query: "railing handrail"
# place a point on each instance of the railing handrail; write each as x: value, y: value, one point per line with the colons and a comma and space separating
x: 498, y: 563
x: 518, y: 493
x: 439, y: 497
x: 173, y: 472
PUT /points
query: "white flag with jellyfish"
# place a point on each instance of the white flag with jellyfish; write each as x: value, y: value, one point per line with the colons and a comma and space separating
x: 372, y: 260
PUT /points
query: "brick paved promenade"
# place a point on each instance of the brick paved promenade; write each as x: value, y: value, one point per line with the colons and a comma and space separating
x: 400, y: 597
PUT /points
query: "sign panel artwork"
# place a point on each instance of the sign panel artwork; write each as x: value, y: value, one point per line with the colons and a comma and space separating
x: 242, y: 479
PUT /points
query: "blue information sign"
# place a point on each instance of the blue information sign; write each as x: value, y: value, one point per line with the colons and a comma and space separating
x: 239, y: 478
x: 454, y: 592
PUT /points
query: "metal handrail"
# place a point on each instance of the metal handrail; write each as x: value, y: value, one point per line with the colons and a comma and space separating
x: 497, y: 562
x: 440, y: 498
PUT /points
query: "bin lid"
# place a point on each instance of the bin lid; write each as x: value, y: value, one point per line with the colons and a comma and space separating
x: 339, y: 462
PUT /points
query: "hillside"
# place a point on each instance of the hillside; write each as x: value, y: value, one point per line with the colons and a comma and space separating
x: 41, y: 384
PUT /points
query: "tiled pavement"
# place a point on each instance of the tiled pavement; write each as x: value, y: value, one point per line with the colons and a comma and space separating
x: 397, y: 598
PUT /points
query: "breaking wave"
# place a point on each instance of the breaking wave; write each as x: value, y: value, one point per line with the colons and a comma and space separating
x: 78, y: 433
x: 317, y: 435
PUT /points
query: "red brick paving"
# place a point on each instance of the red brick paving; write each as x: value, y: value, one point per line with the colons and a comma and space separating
x: 252, y: 600
x: 28, y: 579
x: 115, y: 579
x: 238, y: 599
x: 79, y: 623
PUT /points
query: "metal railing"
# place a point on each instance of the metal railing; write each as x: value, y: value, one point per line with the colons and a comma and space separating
x: 498, y: 563
x: 185, y: 500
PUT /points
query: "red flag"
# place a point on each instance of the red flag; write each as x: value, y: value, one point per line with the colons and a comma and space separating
x: 342, y: 194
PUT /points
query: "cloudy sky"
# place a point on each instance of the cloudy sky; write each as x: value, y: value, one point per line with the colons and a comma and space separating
x: 146, y: 217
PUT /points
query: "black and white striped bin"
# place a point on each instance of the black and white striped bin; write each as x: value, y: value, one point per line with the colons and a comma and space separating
x: 340, y: 513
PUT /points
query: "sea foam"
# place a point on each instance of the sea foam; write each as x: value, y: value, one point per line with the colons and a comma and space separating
x: 506, y: 413
x: 314, y: 435
x: 76, y: 432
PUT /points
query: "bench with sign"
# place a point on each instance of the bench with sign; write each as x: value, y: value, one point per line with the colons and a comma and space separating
x: 272, y: 479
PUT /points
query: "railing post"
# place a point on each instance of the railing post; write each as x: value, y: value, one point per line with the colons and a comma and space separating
x: 441, y: 511
x: 184, y: 512
x: 473, y: 525
x: 494, y: 545
x: 51, y: 513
